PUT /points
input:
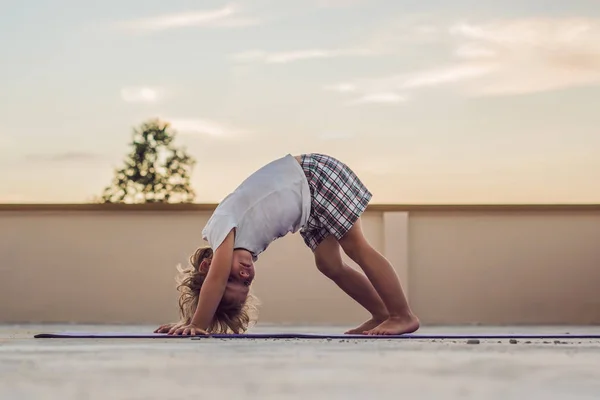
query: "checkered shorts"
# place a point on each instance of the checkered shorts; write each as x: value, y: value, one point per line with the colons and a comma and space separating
x: 338, y: 198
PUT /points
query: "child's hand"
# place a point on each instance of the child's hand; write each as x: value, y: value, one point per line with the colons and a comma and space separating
x: 185, y: 330
x: 167, y: 327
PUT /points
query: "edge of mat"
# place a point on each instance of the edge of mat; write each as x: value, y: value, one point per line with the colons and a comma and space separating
x: 86, y: 335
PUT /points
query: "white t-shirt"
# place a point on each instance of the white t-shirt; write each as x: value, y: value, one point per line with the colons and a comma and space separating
x: 270, y: 203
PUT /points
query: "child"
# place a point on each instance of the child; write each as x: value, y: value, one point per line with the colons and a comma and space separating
x: 323, y: 199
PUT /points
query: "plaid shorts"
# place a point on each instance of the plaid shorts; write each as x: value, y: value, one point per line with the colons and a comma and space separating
x: 338, y: 198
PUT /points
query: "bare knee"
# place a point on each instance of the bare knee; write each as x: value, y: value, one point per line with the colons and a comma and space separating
x: 328, y: 258
x: 328, y: 267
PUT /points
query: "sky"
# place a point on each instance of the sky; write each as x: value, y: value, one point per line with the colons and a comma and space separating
x: 428, y: 102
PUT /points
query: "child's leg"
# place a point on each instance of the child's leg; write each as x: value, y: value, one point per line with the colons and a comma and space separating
x: 328, y: 259
x: 339, y: 198
x: 385, y: 281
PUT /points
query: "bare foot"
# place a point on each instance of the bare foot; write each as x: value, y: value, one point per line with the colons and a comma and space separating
x: 396, y: 326
x: 370, y: 324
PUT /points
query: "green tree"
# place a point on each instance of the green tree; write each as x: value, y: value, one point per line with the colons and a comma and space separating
x: 155, y: 171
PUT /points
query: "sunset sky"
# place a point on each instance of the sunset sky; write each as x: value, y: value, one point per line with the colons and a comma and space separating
x: 429, y: 102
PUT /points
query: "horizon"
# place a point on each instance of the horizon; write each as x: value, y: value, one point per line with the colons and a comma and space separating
x: 429, y: 103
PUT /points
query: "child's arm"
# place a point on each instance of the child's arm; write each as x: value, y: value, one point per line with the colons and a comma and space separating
x: 212, y: 289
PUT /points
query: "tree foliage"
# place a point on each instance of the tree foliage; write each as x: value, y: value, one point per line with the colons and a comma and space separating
x: 154, y: 171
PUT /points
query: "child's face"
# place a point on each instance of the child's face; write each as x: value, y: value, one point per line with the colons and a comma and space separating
x: 241, y: 277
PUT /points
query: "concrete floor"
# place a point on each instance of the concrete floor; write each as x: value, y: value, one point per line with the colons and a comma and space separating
x: 89, y: 369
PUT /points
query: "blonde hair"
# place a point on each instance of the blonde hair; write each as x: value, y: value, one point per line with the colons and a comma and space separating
x: 229, y: 317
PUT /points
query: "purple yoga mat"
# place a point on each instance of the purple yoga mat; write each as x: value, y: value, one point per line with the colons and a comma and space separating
x: 124, y: 335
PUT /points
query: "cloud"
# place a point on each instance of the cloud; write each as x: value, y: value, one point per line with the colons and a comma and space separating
x: 371, y: 91
x: 503, y: 57
x: 395, y: 88
x: 532, y: 55
x: 229, y: 16
x: 285, y: 57
x: 197, y: 126
x: 444, y: 75
x: 343, y: 87
x: 380, y: 98
x: 143, y: 94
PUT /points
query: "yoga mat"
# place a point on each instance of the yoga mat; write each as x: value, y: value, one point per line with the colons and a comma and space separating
x: 121, y: 335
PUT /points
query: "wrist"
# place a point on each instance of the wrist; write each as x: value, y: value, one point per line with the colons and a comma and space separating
x: 197, y: 323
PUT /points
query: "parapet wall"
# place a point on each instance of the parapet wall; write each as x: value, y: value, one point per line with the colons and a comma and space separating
x: 90, y: 263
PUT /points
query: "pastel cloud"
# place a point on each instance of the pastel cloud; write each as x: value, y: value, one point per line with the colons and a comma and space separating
x: 533, y: 55
x: 506, y: 57
x: 445, y: 75
x: 380, y: 98
x: 285, y: 57
x: 142, y: 94
x: 343, y: 87
x: 228, y: 16
x: 201, y: 126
